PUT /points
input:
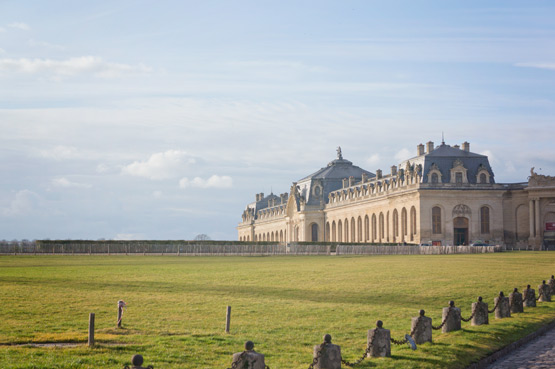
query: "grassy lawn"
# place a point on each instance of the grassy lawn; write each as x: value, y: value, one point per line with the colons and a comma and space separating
x: 176, y: 307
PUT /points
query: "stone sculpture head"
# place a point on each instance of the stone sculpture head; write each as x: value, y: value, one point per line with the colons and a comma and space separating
x: 327, y: 338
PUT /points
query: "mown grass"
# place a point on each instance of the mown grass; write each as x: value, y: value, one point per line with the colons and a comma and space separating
x: 176, y: 307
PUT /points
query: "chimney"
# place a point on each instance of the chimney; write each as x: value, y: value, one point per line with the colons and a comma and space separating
x: 261, y: 196
x: 257, y: 197
x: 364, y: 177
x: 378, y: 174
x: 420, y: 150
x: 345, y: 182
x: 351, y: 181
x: 466, y: 146
x: 429, y: 147
x: 394, y: 168
x: 456, y: 146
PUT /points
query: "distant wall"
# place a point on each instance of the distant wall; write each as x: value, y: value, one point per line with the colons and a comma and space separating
x: 192, y: 248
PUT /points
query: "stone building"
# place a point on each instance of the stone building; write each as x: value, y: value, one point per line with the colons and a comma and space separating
x: 445, y: 195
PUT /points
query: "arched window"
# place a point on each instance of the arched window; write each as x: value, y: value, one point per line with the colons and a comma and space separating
x: 353, y: 230
x: 374, y: 228
x: 339, y: 231
x: 483, y: 178
x: 366, y: 228
x: 412, y: 223
x: 404, y: 223
x: 327, y: 235
x: 484, y: 220
x: 382, y: 227
x: 435, y: 178
x: 436, y: 220
x: 395, y: 225
x: 359, y: 229
x: 346, y: 225
x: 314, y: 232
x: 281, y: 236
x: 333, y: 234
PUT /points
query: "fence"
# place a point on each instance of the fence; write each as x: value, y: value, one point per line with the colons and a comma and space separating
x: 223, y: 248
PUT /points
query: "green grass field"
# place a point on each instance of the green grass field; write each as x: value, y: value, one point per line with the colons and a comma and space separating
x: 176, y: 307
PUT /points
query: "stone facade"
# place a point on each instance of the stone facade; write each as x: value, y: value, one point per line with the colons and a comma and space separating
x: 445, y: 195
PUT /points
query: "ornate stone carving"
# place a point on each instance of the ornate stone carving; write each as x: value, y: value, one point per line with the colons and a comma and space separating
x: 536, y: 179
x: 458, y: 163
x: 461, y: 210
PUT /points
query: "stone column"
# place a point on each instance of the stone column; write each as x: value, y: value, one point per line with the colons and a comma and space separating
x: 537, y: 219
x: 503, y: 309
x: 529, y: 297
x: 551, y: 284
x: 480, y: 311
x: 515, y: 302
x: 421, y: 328
x: 532, y: 228
x: 545, y: 292
x: 380, y: 340
x: 328, y: 355
x: 452, y: 317
x: 249, y: 358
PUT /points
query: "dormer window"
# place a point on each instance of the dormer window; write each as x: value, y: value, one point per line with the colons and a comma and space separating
x: 459, y: 173
x: 435, y: 178
x: 434, y: 174
x: 483, y: 175
x: 458, y: 178
x: 483, y: 178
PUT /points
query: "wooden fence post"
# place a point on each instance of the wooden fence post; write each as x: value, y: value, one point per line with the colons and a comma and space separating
x: 91, y: 330
x: 227, y: 319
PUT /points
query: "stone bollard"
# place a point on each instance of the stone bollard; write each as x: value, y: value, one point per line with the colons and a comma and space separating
x: 551, y: 283
x: 421, y: 328
x: 515, y: 301
x: 452, y: 318
x: 137, y: 362
x: 379, y: 339
x: 503, y: 309
x: 545, y: 292
x: 529, y: 297
x: 248, y: 358
x: 326, y: 356
x: 480, y: 312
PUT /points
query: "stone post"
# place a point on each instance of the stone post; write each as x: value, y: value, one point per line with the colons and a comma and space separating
x: 137, y: 362
x: 248, y: 358
x: 480, y: 311
x: 551, y: 284
x: 421, y: 328
x: 515, y: 301
x: 452, y: 317
x: 327, y: 354
x: 529, y: 297
x: 380, y: 340
x: 545, y: 292
x: 503, y: 308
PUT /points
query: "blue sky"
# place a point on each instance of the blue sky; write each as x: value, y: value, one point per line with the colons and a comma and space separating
x: 161, y: 120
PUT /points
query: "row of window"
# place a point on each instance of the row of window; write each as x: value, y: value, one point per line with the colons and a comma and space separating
x: 376, y: 228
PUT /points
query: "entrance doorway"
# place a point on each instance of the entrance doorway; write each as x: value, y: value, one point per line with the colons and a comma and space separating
x: 314, y: 231
x: 460, y: 231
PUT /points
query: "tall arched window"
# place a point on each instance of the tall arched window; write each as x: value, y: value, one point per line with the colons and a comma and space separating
x: 395, y: 225
x: 359, y: 229
x: 333, y: 234
x: 382, y: 227
x: 412, y: 223
x: 327, y: 235
x: 374, y: 228
x: 483, y: 178
x: 353, y: 230
x: 339, y: 231
x: 404, y: 223
x: 484, y: 220
x: 366, y: 228
x: 346, y: 225
x: 314, y: 232
x: 436, y: 220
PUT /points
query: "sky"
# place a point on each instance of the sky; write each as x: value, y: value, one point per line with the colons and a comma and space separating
x: 163, y: 119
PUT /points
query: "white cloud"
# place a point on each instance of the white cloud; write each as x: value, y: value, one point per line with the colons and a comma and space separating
x: 24, y: 203
x: 2, y: 50
x: 19, y: 25
x: 213, y: 182
x: 537, y: 65
x: 48, y: 45
x: 71, y: 67
x: 157, y: 194
x: 65, y: 183
x: 129, y: 236
x: 162, y: 165
x: 403, y: 155
x: 60, y: 153
x: 373, y: 160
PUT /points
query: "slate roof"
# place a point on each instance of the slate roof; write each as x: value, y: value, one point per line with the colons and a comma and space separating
x: 444, y: 156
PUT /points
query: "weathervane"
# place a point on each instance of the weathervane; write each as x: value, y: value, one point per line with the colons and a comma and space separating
x: 339, y: 155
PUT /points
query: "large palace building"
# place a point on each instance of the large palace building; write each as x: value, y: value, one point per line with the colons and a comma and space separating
x: 445, y: 195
